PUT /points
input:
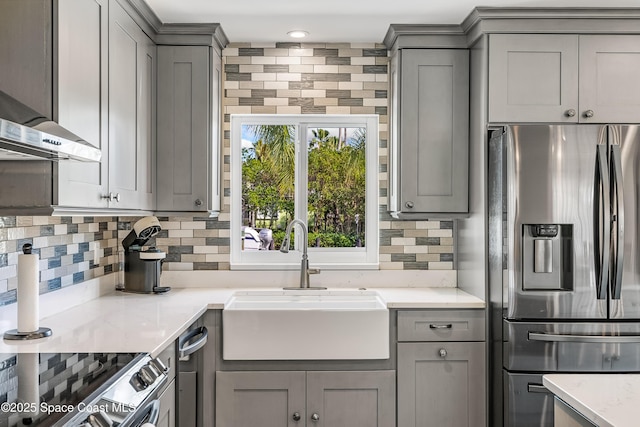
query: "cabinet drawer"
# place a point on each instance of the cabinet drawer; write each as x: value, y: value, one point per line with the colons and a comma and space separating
x: 441, y: 325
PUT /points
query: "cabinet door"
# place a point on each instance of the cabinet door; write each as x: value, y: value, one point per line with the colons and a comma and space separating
x: 146, y: 126
x: 533, y: 78
x: 82, y: 95
x: 351, y: 399
x: 131, y: 56
x: 609, y: 84
x: 26, y: 52
x: 265, y: 399
x: 184, y: 128
x: 167, y: 416
x: 434, y: 131
x: 441, y: 384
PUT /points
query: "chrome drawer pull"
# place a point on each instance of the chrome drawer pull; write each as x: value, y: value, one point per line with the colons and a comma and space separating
x: 447, y: 326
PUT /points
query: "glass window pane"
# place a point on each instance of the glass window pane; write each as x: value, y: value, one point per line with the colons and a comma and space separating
x: 268, y: 173
x: 336, y: 187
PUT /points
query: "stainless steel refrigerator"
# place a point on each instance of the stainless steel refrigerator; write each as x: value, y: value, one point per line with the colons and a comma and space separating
x: 564, y: 267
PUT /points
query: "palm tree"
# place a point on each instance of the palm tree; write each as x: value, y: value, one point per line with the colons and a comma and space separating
x: 277, y: 142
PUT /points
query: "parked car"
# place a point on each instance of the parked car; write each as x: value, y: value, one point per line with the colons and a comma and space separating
x: 251, y: 239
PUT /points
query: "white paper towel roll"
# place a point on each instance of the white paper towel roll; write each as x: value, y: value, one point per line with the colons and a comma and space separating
x: 28, y: 293
x: 28, y: 383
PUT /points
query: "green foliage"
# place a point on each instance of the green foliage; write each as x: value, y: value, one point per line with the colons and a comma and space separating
x: 336, y: 184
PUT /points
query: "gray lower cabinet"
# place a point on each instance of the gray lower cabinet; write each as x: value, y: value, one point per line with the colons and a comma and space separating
x: 441, y: 384
x: 298, y: 398
x: 429, y: 149
x: 189, y: 79
x: 441, y: 368
x: 167, y: 416
x: 132, y: 69
x: 568, y: 78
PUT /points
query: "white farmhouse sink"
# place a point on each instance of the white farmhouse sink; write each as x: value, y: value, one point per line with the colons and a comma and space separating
x: 305, y: 325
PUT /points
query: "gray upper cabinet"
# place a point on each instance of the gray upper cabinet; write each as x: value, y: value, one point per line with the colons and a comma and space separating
x: 565, y: 78
x: 87, y: 65
x: 429, y: 150
x: 131, y: 112
x: 82, y: 94
x: 298, y: 398
x: 189, y: 79
x: 533, y: 78
x: 54, y: 59
x: 609, y: 84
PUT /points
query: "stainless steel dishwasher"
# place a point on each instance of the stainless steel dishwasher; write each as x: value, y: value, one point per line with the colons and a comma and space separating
x: 190, y: 370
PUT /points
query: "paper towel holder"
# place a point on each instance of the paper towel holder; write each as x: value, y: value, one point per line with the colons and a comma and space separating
x: 14, y: 334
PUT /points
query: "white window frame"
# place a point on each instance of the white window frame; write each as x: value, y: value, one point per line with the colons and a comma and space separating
x: 325, y: 258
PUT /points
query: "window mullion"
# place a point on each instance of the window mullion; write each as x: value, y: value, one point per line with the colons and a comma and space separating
x: 301, y: 184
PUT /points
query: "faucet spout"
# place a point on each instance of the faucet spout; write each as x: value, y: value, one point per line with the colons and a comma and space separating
x: 304, y: 262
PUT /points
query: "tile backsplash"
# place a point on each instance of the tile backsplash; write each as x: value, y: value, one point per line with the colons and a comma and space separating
x: 67, y: 246
x: 278, y: 78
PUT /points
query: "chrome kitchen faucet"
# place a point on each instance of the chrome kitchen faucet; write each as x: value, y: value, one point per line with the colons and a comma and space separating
x: 304, y: 263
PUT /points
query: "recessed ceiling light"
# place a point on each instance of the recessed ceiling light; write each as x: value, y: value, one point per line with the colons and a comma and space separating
x: 297, y: 34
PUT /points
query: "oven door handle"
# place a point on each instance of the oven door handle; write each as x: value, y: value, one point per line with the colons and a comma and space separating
x: 185, y: 349
x: 149, y: 412
x: 601, y: 339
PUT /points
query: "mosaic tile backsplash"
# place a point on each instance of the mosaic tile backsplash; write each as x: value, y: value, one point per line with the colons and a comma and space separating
x: 67, y: 248
x: 335, y: 78
x: 278, y: 78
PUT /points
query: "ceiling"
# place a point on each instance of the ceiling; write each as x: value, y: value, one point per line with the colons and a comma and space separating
x: 335, y: 20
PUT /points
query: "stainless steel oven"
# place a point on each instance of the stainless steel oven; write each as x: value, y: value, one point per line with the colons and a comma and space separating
x: 128, y: 399
x: 81, y: 389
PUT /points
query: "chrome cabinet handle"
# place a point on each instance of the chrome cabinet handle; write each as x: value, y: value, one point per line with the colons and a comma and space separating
x: 588, y: 114
x: 185, y: 350
x: 198, y: 202
x: 112, y: 197
x: 315, y: 417
x: 570, y: 113
x: 409, y: 204
x: 296, y: 416
x: 447, y: 326
x: 442, y: 353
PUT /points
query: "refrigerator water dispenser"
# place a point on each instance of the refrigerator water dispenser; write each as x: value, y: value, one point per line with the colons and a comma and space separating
x: 547, y: 257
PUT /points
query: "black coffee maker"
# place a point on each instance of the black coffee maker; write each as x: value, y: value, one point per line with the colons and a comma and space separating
x: 142, y: 268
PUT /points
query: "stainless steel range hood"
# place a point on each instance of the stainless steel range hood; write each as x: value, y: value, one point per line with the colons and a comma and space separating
x: 27, y: 135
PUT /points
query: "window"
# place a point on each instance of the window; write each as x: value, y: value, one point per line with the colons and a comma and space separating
x: 322, y: 169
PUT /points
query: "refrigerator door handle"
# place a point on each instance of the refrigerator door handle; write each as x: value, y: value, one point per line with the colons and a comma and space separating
x: 618, y: 219
x: 599, y: 339
x: 601, y: 222
x: 538, y: 388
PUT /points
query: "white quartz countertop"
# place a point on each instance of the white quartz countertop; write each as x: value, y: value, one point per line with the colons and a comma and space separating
x: 607, y: 400
x: 121, y: 322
